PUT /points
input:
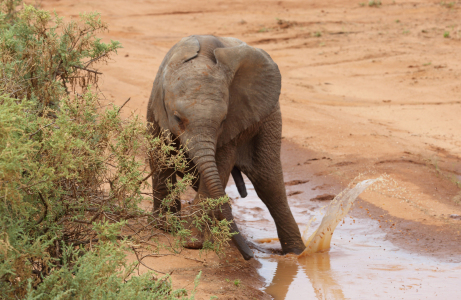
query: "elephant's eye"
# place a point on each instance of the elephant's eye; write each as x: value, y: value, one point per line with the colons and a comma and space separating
x: 176, y: 117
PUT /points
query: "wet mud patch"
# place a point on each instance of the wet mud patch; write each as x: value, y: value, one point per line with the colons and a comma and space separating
x: 314, y: 159
x: 295, y: 182
x: 321, y: 187
x: 343, y: 164
x: 323, y: 197
x: 399, y: 161
x: 441, y: 243
x: 294, y: 193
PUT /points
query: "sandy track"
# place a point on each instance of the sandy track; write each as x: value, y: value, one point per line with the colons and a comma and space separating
x: 371, y: 89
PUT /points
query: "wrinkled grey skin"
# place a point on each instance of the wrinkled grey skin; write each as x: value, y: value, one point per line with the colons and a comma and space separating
x: 220, y: 96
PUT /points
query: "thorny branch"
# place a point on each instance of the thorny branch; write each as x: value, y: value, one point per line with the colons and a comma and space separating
x: 45, y: 213
x: 123, y: 105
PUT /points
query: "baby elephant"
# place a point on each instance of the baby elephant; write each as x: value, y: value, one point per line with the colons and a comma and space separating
x: 221, y: 97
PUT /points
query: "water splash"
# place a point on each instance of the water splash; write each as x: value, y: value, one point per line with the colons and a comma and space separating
x: 338, y: 208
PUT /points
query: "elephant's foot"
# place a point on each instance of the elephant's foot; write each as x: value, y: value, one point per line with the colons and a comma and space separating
x: 293, y: 248
x: 195, y: 241
x: 296, y: 251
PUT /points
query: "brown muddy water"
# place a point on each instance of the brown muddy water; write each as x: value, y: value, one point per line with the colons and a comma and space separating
x: 361, y: 263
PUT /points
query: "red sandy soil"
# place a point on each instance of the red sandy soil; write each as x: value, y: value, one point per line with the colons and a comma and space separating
x: 366, y: 90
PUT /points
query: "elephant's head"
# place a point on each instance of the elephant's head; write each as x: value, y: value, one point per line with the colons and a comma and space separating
x: 207, y: 91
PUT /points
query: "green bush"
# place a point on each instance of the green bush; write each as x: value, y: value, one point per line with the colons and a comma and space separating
x: 43, y: 57
x: 101, y: 274
x: 73, y: 172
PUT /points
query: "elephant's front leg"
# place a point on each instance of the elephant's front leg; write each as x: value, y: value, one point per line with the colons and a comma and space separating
x: 269, y: 185
x: 160, y: 180
x: 265, y: 172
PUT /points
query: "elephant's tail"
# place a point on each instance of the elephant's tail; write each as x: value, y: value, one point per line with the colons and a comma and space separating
x: 237, y: 175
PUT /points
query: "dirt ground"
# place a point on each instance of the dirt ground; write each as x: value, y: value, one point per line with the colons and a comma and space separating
x: 366, y: 89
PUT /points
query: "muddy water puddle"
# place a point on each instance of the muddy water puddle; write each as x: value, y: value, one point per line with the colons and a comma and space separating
x: 361, y: 263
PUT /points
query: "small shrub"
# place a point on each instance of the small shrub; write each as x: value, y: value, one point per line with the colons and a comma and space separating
x: 374, y: 3
x: 237, y: 282
x: 72, y: 171
x: 447, y: 4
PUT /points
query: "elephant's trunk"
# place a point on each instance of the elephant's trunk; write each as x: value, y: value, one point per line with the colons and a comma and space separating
x: 204, y: 159
x: 203, y: 155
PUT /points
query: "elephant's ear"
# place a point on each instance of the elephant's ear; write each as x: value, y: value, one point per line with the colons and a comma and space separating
x: 183, y: 51
x: 254, y: 87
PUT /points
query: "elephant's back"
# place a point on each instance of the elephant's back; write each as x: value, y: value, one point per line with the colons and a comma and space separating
x: 230, y: 41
